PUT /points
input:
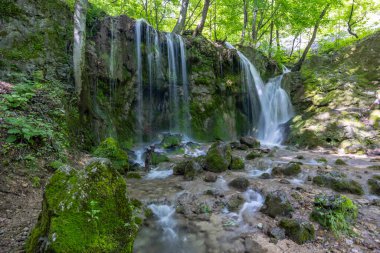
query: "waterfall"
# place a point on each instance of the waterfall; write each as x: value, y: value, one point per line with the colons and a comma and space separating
x: 154, y: 65
x: 268, y: 105
x: 164, y: 214
x: 79, y: 42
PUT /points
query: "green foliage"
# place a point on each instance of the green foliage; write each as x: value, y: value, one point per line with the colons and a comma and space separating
x: 109, y: 148
x: 94, y: 211
x: 36, y: 182
x: 335, y: 213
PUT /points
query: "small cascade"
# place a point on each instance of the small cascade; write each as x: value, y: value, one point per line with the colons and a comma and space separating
x: 165, y: 220
x: 268, y: 106
x: 161, y: 106
x: 253, y: 202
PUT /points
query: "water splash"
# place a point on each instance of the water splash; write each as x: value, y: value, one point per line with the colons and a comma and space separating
x: 165, y: 220
x: 253, y: 202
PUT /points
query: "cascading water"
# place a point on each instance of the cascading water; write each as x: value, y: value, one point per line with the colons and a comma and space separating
x: 267, y: 106
x: 152, y: 112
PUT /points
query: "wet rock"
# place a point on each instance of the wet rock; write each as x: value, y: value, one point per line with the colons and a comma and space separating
x: 253, y: 155
x: 218, y: 158
x: 265, y: 176
x: 250, y: 141
x: 284, y: 181
x: 239, y: 183
x: 237, y: 163
x: 171, y: 141
x: 93, y: 199
x: 374, y: 185
x: 252, y: 246
x: 340, y: 162
x: 291, y: 169
x: 188, y: 168
x: 298, y: 230
x: 300, y: 157
x: 277, y: 204
x: 338, y: 182
x: 210, y: 177
x: 158, y: 158
x: 278, y: 233
x: 235, y: 202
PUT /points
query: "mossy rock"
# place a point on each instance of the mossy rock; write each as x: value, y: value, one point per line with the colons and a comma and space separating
x: 109, y: 148
x: 340, y: 162
x: 188, y: 168
x: 85, y: 211
x: 291, y: 169
x: 298, y: 230
x: 374, y: 185
x: 134, y: 175
x: 55, y: 165
x: 218, y: 158
x: 158, y: 158
x: 237, y: 163
x: 240, y: 183
x: 235, y: 202
x: 335, y: 212
x: 250, y: 141
x: 277, y: 204
x: 171, y: 141
x: 253, y: 155
x: 338, y: 183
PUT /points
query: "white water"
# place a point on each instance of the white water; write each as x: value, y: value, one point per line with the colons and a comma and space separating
x: 254, y: 201
x: 268, y: 104
x: 157, y: 173
x: 164, y: 214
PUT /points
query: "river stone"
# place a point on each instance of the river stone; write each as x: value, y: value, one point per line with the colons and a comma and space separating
x: 188, y: 168
x: 291, y: 169
x: 374, y: 185
x: 239, y: 183
x: 278, y: 233
x: 85, y: 211
x: 253, y: 155
x: 277, y: 204
x: 338, y: 182
x: 250, y: 141
x: 298, y: 230
x: 218, y: 158
x: 265, y: 176
x: 234, y: 202
x: 210, y: 177
x: 237, y: 163
x: 171, y: 141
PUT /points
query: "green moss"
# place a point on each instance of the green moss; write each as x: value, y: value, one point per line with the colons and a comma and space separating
x: 188, y: 168
x: 134, y: 175
x: 321, y: 160
x: 158, y: 158
x: 340, y: 162
x: 335, y: 213
x: 237, y: 163
x: 55, y: 165
x: 171, y: 140
x: 8, y: 9
x: 110, y: 149
x: 338, y: 183
x: 253, y: 155
x: 218, y: 157
x: 85, y: 211
x: 298, y: 230
x: 374, y: 185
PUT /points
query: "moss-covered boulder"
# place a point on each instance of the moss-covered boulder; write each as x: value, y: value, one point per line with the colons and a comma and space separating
x: 291, y: 169
x: 298, y: 230
x: 340, y: 162
x: 188, y: 168
x: 109, y: 148
x: 277, y: 204
x: 218, y: 158
x: 250, y: 141
x: 85, y: 211
x: 234, y: 202
x: 171, y: 141
x: 338, y: 182
x: 239, y: 183
x: 374, y: 185
x: 253, y: 155
x: 335, y: 212
x: 237, y: 163
x: 158, y: 158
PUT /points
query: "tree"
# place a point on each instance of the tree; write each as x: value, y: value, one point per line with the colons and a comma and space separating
x: 182, y: 17
x: 201, y: 24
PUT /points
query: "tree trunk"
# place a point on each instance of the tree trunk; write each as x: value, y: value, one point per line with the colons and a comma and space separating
x: 80, y: 13
x: 201, y: 24
x: 182, y: 17
x: 270, y: 39
x: 294, y: 41
x: 349, y: 24
x: 298, y: 65
x: 245, y: 22
x: 254, y: 20
x: 278, y: 39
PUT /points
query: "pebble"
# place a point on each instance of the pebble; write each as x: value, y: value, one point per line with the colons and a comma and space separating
x: 259, y: 226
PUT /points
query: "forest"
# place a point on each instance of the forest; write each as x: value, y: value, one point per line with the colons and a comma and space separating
x: 189, y: 126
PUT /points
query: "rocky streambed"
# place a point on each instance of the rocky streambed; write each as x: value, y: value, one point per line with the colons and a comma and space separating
x: 262, y: 205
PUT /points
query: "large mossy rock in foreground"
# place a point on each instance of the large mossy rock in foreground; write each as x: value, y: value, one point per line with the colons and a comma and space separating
x: 218, y: 158
x: 85, y: 211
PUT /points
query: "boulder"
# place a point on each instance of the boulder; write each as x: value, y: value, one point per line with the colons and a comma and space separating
x: 237, y: 163
x: 239, y: 183
x: 338, y: 182
x: 250, y: 141
x: 171, y: 141
x: 218, y: 158
x: 253, y: 155
x: 210, y: 177
x: 265, y: 176
x: 188, y: 168
x: 85, y: 211
x: 235, y: 202
x: 110, y: 149
x: 277, y: 204
x: 340, y: 162
x: 291, y: 169
x: 298, y: 230
x: 278, y: 233
x: 374, y: 185
x: 158, y: 158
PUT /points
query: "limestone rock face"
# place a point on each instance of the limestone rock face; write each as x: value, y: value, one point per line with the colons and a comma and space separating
x: 85, y: 211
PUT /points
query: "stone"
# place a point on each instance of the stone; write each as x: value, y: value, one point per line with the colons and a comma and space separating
x: 210, y: 177
x: 340, y: 162
x: 374, y: 185
x: 188, y: 168
x: 218, y: 157
x: 253, y: 155
x: 265, y: 176
x: 291, y: 169
x: 250, y: 141
x: 93, y: 199
x: 278, y: 233
x: 235, y: 202
x: 171, y: 141
x: 237, y: 163
x: 252, y: 246
x: 239, y: 183
x: 338, y: 182
x: 110, y: 149
x: 298, y: 230
x: 277, y: 204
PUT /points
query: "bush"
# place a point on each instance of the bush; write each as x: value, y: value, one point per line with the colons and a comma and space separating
x: 335, y: 213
